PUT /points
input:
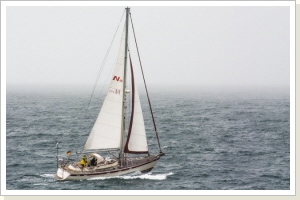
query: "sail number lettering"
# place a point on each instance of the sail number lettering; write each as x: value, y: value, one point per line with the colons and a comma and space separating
x: 115, y: 91
x: 117, y: 78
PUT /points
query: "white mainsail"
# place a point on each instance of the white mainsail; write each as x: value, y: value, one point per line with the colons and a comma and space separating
x: 106, y: 133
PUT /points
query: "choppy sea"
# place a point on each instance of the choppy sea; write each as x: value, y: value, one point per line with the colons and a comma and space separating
x: 212, y: 141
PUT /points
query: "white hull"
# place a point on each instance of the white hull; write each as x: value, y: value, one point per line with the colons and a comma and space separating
x: 63, y: 174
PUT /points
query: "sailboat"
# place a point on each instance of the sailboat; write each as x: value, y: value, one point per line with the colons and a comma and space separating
x: 125, y: 144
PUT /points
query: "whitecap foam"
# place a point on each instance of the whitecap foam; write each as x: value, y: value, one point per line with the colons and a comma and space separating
x: 148, y: 176
x: 47, y: 175
x: 40, y: 184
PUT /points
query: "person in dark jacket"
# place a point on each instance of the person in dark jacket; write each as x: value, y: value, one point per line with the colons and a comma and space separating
x: 94, y: 162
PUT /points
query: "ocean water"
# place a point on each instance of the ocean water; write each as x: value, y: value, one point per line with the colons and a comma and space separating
x: 212, y: 141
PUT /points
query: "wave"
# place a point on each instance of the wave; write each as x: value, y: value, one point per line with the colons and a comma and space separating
x: 47, y: 175
x: 41, y: 184
x: 148, y: 176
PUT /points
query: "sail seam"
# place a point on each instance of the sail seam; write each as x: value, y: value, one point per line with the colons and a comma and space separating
x: 102, y: 136
x: 138, y: 135
x: 111, y: 101
x: 108, y: 125
x: 108, y: 112
x: 138, y: 123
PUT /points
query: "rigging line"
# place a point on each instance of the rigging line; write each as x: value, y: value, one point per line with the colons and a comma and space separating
x: 145, y: 84
x: 104, y: 61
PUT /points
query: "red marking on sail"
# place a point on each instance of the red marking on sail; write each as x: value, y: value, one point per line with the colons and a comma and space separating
x: 118, y: 91
x: 117, y: 78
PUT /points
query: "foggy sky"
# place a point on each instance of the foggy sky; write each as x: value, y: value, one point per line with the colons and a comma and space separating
x: 181, y: 47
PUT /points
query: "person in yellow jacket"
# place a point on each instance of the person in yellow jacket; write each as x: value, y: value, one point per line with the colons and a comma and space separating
x: 83, y: 161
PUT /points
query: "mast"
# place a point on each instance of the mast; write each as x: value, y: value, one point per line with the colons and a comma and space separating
x: 123, y: 131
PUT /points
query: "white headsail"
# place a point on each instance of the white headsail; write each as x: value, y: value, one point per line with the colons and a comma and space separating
x: 138, y: 141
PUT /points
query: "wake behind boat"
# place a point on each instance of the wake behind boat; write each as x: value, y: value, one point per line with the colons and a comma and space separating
x: 126, y: 147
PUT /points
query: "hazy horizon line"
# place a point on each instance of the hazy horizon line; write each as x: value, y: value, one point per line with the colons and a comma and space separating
x: 87, y: 89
